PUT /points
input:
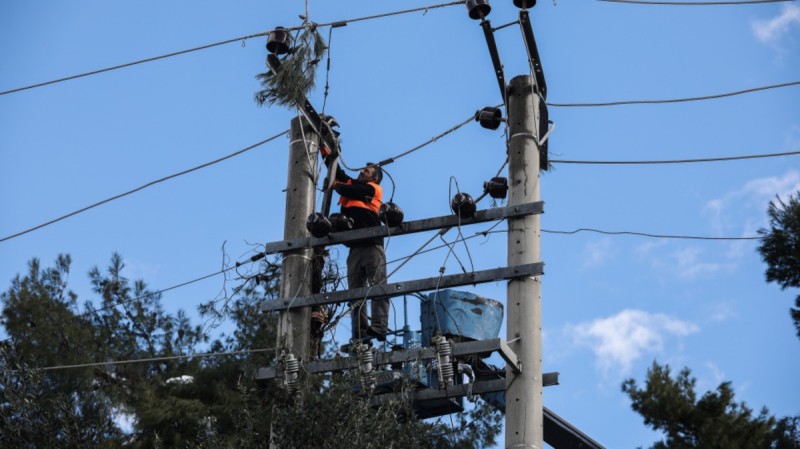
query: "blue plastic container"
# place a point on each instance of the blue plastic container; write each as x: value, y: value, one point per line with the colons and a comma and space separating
x: 462, y: 316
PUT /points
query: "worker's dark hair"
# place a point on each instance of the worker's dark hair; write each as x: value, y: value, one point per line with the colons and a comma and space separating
x: 378, y: 171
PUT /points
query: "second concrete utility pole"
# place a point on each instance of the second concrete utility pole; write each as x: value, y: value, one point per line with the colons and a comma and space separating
x: 524, y: 407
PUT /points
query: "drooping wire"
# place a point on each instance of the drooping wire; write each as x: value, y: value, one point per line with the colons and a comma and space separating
x: 151, y: 359
x: 391, y: 179
x: 674, y: 100
x: 678, y: 161
x: 644, y: 234
x: 420, y: 146
x: 228, y: 41
x: 327, y: 71
x: 142, y: 187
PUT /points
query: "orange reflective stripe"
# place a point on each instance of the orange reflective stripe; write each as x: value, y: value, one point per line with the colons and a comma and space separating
x: 373, y: 205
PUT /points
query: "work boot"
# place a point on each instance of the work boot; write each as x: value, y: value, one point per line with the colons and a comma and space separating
x: 372, y: 332
x: 350, y: 348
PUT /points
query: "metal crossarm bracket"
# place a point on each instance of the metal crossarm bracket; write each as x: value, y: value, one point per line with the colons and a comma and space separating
x: 533, y: 52
x: 454, y: 391
x: 402, y: 288
x: 488, y: 33
x: 408, y: 355
x: 409, y: 227
x: 511, y: 359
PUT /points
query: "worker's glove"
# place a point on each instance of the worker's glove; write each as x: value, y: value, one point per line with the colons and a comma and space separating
x: 324, y: 151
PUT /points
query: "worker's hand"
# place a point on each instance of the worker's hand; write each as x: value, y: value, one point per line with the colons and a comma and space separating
x: 324, y: 151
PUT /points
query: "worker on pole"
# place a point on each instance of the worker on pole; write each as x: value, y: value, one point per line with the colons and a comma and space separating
x: 360, y: 200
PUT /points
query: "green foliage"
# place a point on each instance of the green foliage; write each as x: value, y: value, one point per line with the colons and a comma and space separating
x: 714, y: 421
x: 780, y: 248
x: 67, y: 409
x: 296, y: 77
x: 217, y: 404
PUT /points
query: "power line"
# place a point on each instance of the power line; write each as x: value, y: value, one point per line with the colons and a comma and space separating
x: 115, y: 197
x: 228, y: 41
x: 644, y: 234
x: 153, y: 359
x: 129, y: 64
x: 424, y: 144
x: 676, y: 100
x: 743, y: 2
x: 678, y: 161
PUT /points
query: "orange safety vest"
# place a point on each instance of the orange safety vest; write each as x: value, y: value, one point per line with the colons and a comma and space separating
x: 373, y: 205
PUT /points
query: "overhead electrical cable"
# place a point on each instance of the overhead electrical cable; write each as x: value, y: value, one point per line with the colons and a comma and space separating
x: 644, y: 234
x: 426, y: 143
x: 228, y: 41
x: 678, y: 161
x: 154, y: 359
x: 142, y: 187
x: 675, y: 100
x: 742, y: 2
x: 129, y: 64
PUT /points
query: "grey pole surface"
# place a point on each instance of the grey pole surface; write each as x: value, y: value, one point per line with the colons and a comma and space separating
x: 524, y: 408
x: 296, y: 271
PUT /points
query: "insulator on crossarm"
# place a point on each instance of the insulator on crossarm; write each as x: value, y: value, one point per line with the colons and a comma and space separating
x: 463, y: 205
x: 318, y: 225
x: 366, y: 366
x: 497, y: 187
x: 489, y: 117
x: 291, y: 372
x: 444, y: 360
x: 525, y: 4
x: 478, y: 9
x: 391, y: 214
x: 279, y: 41
x: 340, y: 222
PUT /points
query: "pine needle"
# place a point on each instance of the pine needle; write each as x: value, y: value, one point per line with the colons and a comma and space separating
x: 296, y: 76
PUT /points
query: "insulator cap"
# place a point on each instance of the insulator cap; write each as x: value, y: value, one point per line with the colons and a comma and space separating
x: 279, y: 41
x: 318, y: 225
x: 526, y: 4
x: 340, y: 222
x: 489, y: 117
x: 391, y: 214
x: 463, y: 205
x: 478, y: 9
x: 496, y: 187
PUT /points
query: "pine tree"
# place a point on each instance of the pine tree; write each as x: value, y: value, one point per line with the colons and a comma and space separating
x: 713, y: 421
x: 780, y: 248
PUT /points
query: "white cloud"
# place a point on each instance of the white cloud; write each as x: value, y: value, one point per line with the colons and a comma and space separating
x: 689, y: 266
x: 720, y: 312
x: 597, y: 252
x: 619, y: 340
x: 772, y: 29
x: 767, y: 188
x: 749, y: 203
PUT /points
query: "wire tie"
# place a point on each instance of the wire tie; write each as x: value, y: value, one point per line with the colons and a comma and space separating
x: 525, y: 135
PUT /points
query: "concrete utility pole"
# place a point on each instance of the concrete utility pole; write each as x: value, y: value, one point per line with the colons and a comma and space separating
x: 524, y: 406
x: 297, y: 270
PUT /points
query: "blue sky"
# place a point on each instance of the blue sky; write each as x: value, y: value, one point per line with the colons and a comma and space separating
x: 611, y: 304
